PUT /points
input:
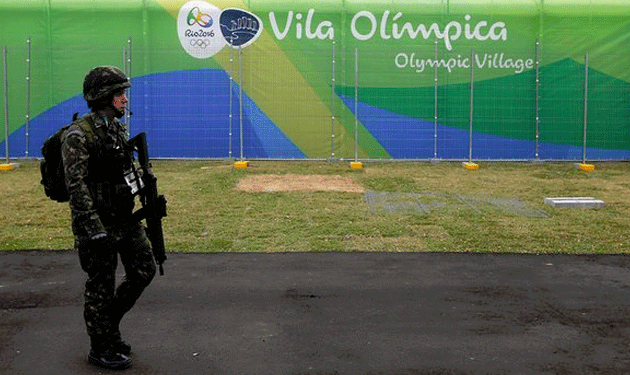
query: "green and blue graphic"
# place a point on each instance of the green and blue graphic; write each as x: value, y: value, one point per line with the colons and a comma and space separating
x: 298, y: 79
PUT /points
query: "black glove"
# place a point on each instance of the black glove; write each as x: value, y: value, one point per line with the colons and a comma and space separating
x: 100, y: 241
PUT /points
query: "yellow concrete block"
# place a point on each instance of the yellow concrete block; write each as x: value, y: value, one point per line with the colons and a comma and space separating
x: 356, y: 165
x: 470, y: 166
x: 586, y: 167
x: 240, y: 164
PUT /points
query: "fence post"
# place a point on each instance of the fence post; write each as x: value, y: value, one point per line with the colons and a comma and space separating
x: 6, y: 104
x: 241, y: 163
x: 537, y: 109
x: 435, y: 100
x: 470, y: 164
x: 356, y: 104
x: 240, y: 93
x: 127, y: 70
x: 230, y: 102
x: 27, y: 116
x: 583, y: 166
x: 356, y: 164
x: 585, y: 107
x: 332, y: 104
x: 472, y: 93
x: 6, y: 166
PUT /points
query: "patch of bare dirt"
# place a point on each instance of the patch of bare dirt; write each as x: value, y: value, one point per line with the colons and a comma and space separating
x: 292, y: 182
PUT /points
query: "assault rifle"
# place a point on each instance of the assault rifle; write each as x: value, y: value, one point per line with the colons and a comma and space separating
x: 153, y: 205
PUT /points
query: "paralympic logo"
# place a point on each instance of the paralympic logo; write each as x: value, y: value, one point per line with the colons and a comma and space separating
x: 240, y: 28
x: 204, y: 29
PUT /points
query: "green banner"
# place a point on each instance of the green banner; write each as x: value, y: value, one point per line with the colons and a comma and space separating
x: 332, y: 79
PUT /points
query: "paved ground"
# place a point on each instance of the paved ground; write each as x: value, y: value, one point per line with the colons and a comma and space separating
x: 333, y: 314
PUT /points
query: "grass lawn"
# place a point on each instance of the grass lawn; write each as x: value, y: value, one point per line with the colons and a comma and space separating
x: 208, y: 210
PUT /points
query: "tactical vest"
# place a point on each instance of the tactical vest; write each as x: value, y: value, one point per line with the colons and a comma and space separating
x: 109, y: 157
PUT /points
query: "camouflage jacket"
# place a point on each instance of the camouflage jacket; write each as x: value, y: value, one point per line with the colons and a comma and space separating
x: 95, y: 156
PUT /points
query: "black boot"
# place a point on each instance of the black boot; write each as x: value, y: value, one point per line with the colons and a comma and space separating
x: 104, y: 355
x: 120, y: 346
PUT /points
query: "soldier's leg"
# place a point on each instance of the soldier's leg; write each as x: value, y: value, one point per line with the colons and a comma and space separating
x: 99, y: 261
x: 139, y: 264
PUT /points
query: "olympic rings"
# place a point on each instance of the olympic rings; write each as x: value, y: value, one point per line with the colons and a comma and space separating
x: 201, y: 43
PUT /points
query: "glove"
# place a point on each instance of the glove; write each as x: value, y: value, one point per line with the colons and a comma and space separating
x: 99, y: 237
x: 100, y: 240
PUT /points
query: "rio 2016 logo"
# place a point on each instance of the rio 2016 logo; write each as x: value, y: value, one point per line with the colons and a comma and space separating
x: 204, y: 29
x: 196, y: 16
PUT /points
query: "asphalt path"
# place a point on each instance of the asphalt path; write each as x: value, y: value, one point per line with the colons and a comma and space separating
x: 332, y: 313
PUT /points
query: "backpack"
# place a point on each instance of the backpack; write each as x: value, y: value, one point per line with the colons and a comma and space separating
x: 51, y: 166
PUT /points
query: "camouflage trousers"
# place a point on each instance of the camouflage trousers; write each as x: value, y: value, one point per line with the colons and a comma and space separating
x: 106, y: 304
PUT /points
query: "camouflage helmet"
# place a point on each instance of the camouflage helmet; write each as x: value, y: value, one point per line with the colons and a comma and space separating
x: 103, y: 81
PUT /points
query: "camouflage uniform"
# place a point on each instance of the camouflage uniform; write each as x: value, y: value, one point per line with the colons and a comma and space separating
x: 95, y: 156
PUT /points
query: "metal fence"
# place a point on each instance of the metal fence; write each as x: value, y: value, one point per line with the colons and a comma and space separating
x: 456, y: 107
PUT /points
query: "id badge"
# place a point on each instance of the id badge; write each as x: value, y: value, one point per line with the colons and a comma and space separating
x: 133, y: 180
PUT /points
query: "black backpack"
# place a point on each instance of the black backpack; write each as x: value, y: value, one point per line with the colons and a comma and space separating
x: 51, y: 166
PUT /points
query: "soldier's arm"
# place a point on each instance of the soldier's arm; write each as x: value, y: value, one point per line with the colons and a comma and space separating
x: 75, y: 155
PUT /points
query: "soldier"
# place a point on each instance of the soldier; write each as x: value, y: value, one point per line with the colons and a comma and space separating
x: 96, y: 158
